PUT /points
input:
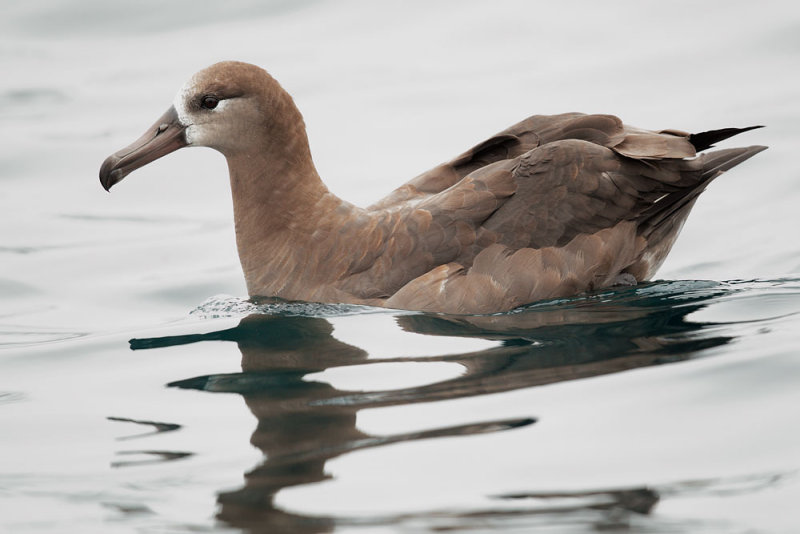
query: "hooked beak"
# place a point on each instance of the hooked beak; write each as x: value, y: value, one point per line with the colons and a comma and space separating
x: 165, y: 136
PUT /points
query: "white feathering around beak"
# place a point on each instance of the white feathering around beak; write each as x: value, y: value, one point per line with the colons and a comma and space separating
x: 179, y: 103
x: 194, y: 132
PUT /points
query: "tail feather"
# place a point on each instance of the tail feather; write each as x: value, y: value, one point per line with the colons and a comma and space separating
x: 657, y: 218
x: 705, y: 140
x: 719, y: 161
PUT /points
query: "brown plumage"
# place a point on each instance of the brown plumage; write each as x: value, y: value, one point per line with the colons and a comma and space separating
x: 553, y: 206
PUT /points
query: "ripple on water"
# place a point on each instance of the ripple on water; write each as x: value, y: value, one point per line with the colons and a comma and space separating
x: 732, y: 301
x: 12, y: 336
x: 753, y: 300
x: 321, y: 393
x: 222, y: 306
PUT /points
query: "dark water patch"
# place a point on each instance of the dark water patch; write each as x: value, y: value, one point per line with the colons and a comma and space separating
x: 642, y: 500
x: 597, y: 510
x: 10, y: 397
x: 242, y: 383
x: 20, y: 250
x: 32, y: 94
x: 10, y: 288
x: 129, y: 508
x: 639, y: 500
x: 28, y: 101
x: 149, y: 457
x: 36, y: 249
x: 158, y: 427
x: 726, y: 486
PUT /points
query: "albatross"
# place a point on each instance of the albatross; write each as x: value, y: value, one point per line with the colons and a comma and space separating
x: 551, y: 207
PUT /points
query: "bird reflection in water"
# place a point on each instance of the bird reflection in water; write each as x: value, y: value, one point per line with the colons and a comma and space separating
x: 304, y: 423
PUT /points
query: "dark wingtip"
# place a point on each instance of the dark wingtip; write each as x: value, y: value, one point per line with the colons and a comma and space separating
x: 706, y: 140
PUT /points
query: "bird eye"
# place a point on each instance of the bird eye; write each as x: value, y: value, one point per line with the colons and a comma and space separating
x: 209, y: 102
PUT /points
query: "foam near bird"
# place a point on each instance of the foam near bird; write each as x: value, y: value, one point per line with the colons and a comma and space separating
x: 551, y: 207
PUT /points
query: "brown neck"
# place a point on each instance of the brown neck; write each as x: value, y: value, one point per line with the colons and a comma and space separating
x: 282, y: 210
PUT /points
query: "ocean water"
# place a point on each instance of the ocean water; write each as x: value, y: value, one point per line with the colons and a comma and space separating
x: 141, y: 392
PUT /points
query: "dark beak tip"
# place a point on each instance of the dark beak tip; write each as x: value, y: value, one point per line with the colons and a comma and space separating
x: 108, y: 172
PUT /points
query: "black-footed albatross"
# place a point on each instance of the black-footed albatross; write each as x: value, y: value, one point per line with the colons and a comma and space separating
x: 551, y: 207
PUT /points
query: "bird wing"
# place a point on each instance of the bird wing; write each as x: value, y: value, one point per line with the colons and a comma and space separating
x: 572, y: 187
x: 535, y: 131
